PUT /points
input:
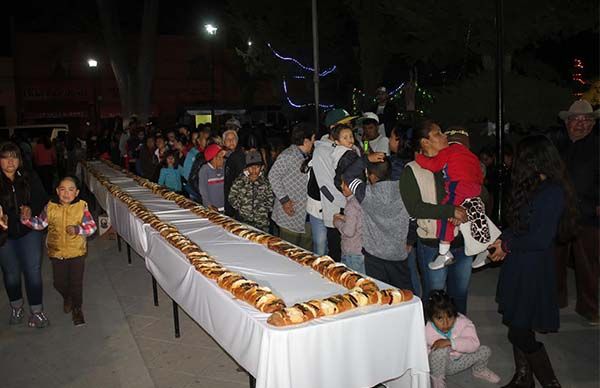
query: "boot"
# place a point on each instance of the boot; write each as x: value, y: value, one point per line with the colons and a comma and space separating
x: 542, y: 368
x: 523, y: 377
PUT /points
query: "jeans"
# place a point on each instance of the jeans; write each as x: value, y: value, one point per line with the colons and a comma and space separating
x: 303, y: 240
x: 394, y: 273
x: 454, y: 278
x: 23, y: 255
x: 414, y: 272
x: 319, y: 235
x: 334, y: 244
x: 354, y: 261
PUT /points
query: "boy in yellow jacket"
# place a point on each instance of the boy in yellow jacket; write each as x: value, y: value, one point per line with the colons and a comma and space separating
x: 69, y: 223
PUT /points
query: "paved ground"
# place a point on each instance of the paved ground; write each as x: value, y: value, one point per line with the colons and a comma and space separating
x: 128, y: 342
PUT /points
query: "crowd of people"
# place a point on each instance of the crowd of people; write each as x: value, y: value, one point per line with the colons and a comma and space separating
x: 368, y: 195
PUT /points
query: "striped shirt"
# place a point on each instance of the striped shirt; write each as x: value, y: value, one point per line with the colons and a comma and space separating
x: 211, y: 186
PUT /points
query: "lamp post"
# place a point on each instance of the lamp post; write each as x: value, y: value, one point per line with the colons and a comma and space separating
x: 211, y: 30
x: 93, y: 65
x: 499, y: 108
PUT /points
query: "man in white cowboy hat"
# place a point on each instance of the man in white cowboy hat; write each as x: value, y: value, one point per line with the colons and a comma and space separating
x: 582, y: 160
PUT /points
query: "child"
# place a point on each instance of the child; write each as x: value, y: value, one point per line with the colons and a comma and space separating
x: 69, y: 222
x: 170, y: 174
x: 385, y: 222
x: 251, y: 195
x: 211, y: 178
x: 452, y: 342
x: 463, y: 179
x: 350, y: 225
x: 344, y: 153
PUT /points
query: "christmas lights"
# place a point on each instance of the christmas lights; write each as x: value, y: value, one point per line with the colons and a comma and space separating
x: 307, y: 68
x: 297, y: 106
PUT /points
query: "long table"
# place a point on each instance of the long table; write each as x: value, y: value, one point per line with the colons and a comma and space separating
x: 355, y: 349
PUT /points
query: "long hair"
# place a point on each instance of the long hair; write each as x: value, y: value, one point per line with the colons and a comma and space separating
x: 536, y: 155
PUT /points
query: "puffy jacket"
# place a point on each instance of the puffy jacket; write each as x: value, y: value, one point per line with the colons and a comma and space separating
x: 60, y: 243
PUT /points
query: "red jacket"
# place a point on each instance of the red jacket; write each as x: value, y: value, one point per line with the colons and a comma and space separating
x: 458, y: 163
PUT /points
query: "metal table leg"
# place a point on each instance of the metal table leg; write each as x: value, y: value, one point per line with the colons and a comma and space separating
x: 128, y: 254
x: 176, y: 319
x: 154, y: 291
x: 118, y: 242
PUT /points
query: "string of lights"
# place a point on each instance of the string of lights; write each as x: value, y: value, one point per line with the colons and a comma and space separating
x: 324, y: 73
x: 298, y: 106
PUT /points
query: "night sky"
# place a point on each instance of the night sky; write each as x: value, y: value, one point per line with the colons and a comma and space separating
x: 189, y: 15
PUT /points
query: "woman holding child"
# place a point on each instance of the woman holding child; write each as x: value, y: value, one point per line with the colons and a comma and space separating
x: 422, y: 192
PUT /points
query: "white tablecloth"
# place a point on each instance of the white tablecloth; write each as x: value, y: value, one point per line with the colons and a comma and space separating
x: 355, y: 349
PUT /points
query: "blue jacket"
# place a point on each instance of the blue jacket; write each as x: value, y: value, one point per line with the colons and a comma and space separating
x: 189, y: 162
x: 170, y: 177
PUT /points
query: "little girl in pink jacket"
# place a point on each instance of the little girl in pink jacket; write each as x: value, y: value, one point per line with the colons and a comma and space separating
x: 452, y: 342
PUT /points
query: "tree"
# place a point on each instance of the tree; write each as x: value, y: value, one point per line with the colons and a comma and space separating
x: 134, y: 81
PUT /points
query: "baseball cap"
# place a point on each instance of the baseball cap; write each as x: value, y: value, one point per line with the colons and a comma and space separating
x: 253, y: 158
x: 233, y: 121
x: 368, y: 116
x: 337, y: 116
x: 211, y: 151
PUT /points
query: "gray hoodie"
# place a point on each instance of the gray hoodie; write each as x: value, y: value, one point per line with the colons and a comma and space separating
x: 385, y: 219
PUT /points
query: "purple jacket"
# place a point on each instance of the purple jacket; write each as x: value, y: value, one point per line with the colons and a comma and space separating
x: 351, y: 228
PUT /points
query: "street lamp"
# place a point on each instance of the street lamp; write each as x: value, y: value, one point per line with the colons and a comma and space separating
x: 93, y: 64
x: 249, y: 43
x: 211, y: 30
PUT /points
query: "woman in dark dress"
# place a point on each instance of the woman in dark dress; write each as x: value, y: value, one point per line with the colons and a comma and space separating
x: 542, y: 209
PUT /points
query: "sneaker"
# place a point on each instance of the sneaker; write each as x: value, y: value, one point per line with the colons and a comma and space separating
x: 481, y: 260
x: 67, y: 305
x: 442, y: 260
x: 16, y: 316
x: 38, y: 320
x: 487, y: 375
x: 78, y: 317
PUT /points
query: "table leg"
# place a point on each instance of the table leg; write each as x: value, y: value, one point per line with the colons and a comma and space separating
x: 252, y: 381
x: 118, y: 242
x: 128, y: 254
x: 154, y: 291
x: 176, y: 319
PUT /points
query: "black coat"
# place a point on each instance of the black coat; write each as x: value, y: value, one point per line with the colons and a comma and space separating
x: 389, y: 116
x: 527, y: 291
x: 234, y: 165
x: 26, y: 190
x: 582, y: 159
